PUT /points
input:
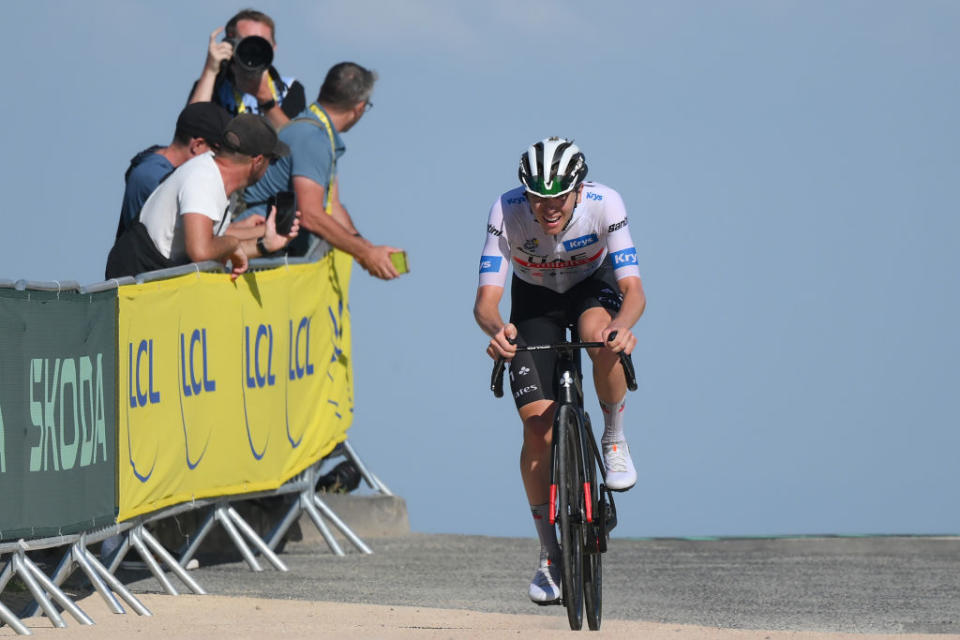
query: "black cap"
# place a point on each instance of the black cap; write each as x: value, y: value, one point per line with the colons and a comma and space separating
x: 252, y: 135
x: 205, y: 120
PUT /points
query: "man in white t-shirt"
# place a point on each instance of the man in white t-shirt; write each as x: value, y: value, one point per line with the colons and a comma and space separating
x: 185, y: 219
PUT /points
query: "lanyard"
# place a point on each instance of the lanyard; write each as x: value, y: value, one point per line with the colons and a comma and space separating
x: 317, y: 111
x: 238, y: 97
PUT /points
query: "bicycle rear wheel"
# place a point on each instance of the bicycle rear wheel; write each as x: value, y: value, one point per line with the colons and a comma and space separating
x: 569, y: 479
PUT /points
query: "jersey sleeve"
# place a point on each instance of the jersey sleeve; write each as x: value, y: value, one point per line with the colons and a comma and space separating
x: 495, y: 259
x: 622, y: 253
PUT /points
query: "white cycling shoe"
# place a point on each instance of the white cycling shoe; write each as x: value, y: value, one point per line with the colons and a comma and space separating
x: 621, y: 474
x: 545, y: 586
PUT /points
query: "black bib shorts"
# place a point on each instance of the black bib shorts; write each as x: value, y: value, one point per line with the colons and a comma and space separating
x: 541, y: 316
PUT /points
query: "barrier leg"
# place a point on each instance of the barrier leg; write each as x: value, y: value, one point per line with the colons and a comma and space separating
x: 77, y: 552
x: 13, y: 621
x: 372, y: 481
x: 197, y: 539
x: 54, y: 591
x: 280, y: 530
x: 63, y: 571
x: 306, y: 503
x: 224, y: 518
x: 120, y: 553
x: 341, y: 525
x: 6, y: 574
x: 134, y: 537
x: 257, y: 541
x: 38, y: 595
x: 115, y: 584
x: 171, y: 562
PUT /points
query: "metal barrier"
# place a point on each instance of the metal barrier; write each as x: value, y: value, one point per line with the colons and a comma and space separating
x: 46, y: 591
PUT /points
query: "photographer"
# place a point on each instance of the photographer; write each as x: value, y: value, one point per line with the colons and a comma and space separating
x: 238, y: 74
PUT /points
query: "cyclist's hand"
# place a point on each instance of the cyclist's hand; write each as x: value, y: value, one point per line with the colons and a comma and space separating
x: 624, y: 340
x: 503, y: 343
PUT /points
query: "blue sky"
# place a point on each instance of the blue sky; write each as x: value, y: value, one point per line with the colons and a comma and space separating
x: 791, y: 173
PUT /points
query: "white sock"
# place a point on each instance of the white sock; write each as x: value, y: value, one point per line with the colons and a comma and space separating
x: 545, y: 531
x: 613, y: 420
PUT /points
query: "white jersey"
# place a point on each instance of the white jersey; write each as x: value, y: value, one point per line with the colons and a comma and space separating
x: 597, y: 229
x: 196, y: 186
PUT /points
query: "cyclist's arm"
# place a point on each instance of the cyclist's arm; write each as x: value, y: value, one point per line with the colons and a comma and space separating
x: 634, y: 302
x: 486, y: 310
x: 623, y: 256
x: 493, y: 277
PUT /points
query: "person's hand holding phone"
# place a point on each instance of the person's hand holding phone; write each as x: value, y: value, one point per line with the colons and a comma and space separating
x: 272, y: 239
x: 378, y: 261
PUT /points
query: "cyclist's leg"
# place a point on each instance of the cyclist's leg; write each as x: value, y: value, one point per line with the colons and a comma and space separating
x: 535, y: 469
x: 531, y: 381
x: 537, y: 420
x: 598, y: 300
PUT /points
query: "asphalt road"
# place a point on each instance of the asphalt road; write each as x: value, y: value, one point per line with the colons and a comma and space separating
x: 890, y: 585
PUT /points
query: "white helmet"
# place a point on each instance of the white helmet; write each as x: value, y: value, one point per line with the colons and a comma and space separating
x: 552, y: 167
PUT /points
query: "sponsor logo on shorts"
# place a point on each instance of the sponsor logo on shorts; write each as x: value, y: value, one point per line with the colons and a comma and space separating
x: 490, y: 264
x: 492, y: 230
x: 525, y: 390
x: 624, y: 258
x: 523, y: 371
x: 617, y: 225
x: 581, y: 242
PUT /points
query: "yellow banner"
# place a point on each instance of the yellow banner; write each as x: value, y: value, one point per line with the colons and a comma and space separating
x: 230, y: 387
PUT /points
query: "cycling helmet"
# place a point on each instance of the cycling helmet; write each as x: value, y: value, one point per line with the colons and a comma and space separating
x: 552, y: 167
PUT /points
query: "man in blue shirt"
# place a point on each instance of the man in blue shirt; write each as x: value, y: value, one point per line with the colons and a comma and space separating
x: 199, y: 130
x: 310, y: 171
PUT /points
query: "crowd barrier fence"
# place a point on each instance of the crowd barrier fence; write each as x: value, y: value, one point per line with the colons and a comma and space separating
x: 140, y: 398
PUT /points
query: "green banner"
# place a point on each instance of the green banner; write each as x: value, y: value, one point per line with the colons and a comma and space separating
x: 57, y: 412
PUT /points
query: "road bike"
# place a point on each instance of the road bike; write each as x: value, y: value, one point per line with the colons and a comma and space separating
x: 583, y: 510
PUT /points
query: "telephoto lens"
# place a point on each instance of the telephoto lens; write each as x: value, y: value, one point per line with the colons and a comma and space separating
x: 253, y: 54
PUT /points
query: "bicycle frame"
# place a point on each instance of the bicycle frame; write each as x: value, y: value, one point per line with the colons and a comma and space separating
x: 574, y: 495
x: 569, y: 391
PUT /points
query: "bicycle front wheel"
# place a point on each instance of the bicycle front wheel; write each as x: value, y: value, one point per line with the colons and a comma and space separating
x: 593, y: 556
x: 569, y: 480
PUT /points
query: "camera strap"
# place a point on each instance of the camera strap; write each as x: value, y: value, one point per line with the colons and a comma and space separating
x: 238, y: 97
x: 325, y: 123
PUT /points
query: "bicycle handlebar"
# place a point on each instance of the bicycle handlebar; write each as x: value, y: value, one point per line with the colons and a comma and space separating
x: 496, y: 378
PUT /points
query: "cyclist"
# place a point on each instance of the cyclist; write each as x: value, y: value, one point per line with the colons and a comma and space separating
x: 574, y: 263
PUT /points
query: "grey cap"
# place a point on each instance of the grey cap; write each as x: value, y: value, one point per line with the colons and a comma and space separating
x: 252, y: 135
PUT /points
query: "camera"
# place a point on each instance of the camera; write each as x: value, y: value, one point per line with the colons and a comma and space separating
x: 251, y: 55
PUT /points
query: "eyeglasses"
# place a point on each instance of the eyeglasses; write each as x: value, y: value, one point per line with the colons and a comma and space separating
x: 367, y: 106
